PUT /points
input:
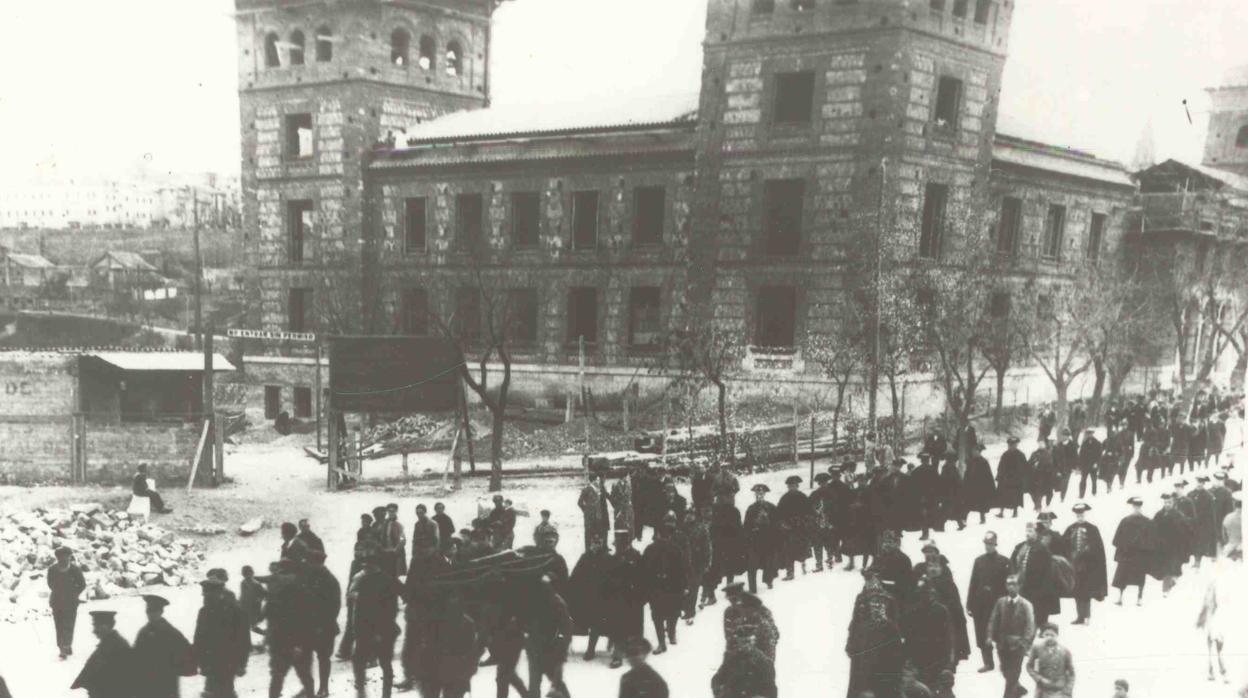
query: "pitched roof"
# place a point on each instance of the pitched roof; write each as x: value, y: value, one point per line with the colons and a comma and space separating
x: 161, y: 360
x: 127, y: 260
x: 1218, y: 179
x: 31, y: 261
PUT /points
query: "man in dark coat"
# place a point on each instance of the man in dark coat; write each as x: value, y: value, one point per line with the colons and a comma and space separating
x: 1087, y: 556
x: 375, y: 596
x: 310, y: 540
x: 289, y: 619
x: 325, y: 600
x: 796, y: 524
x: 700, y: 482
x: 979, y: 492
x: 1205, y: 524
x: 950, y: 492
x: 1178, y: 446
x: 65, y: 585
x: 1107, y: 466
x: 110, y: 670
x: 987, y: 585
x: 860, y: 525
x: 222, y: 640
x: 760, y: 525
x: 623, y: 503
x: 1134, y: 549
x: 925, y: 484
x: 1174, y: 540
x: 448, y: 663
x: 664, y: 575
x: 1065, y: 460
x: 893, y: 565
x: 1043, y: 477
x: 1089, y: 459
x: 1125, y: 439
x: 641, y: 680
x: 1033, y: 563
x: 874, y: 643
x: 727, y: 547
x: 161, y: 654
x: 928, y: 631
x: 446, y: 526
x: 141, y: 488
x: 823, y: 507
x: 624, y: 592
x: 745, y: 672
x: 587, y: 600
x: 893, y: 503
x: 935, y: 573
x: 1011, y: 478
x: 748, y: 621
x: 697, y: 534
x: 1012, y: 627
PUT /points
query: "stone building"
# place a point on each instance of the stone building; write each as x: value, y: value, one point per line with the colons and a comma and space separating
x: 817, y: 123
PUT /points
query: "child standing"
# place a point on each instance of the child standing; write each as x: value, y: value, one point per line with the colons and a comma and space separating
x: 251, y: 595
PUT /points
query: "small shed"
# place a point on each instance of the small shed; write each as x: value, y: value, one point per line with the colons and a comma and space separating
x: 137, y: 386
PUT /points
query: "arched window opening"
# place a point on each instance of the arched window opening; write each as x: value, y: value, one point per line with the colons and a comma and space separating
x: 271, y: 57
x: 428, y: 53
x: 1241, y: 139
x: 454, y: 59
x: 296, y: 47
x: 324, y: 45
x: 400, y: 42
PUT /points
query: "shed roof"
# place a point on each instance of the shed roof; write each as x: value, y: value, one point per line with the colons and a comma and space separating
x: 187, y: 361
x: 32, y: 261
x: 127, y: 260
x: 1072, y: 163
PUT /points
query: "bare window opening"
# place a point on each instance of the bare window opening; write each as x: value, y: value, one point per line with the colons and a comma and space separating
x: 775, y: 317
x: 272, y: 59
x: 764, y: 7
x: 960, y: 8
x: 938, y: 5
x: 400, y: 45
x: 1241, y: 138
x: 303, y: 402
x: 298, y: 136
x: 428, y: 53
x: 643, y: 316
x: 414, y: 312
x: 272, y: 401
x: 522, y: 316
x: 525, y: 218
x: 454, y: 59
x: 982, y: 8
x: 414, y: 226
x: 935, y: 204
x: 298, y: 227
x: 584, y: 220
x: 1009, y: 226
x: 648, y: 205
x: 324, y: 45
x: 999, y: 305
x: 469, y: 212
x: 782, y: 215
x: 1054, y: 231
x: 802, y: 5
x: 1096, y: 237
x: 467, y: 320
x: 296, y: 47
x: 795, y: 97
x: 583, y: 314
x: 298, y: 303
x: 948, y: 102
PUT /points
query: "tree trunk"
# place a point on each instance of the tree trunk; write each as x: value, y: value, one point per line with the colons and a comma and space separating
x: 1241, y: 368
x: 496, y: 449
x: 468, y: 438
x: 1098, y: 389
x: 1059, y: 387
x: 721, y: 403
x: 1000, y: 406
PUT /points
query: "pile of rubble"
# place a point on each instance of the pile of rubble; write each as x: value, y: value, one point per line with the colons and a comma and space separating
x: 115, y: 551
x: 412, y: 431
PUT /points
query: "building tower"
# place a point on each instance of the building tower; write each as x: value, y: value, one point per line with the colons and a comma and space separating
x: 823, y: 122
x: 320, y: 83
x: 1226, y: 144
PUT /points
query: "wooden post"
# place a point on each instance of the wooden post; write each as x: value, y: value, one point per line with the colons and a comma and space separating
x: 331, y: 438
x: 218, y: 442
x: 663, y: 445
x: 580, y: 343
x: 812, y: 449
x: 567, y: 408
x: 208, y: 406
x: 319, y: 389
x: 796, y: 458
x: 625, y: 397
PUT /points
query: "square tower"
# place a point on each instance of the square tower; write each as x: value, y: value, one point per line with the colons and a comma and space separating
x: 321, y: 83
x: 1226, y: 144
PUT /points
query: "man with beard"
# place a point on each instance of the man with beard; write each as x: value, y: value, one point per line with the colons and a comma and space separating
x: 935, y: 573
x: 1011, y: 478
x: 950, y: 492
x: 1174, y: 540
x: 1204, y: 525
x: 110, y: 670
x: 760, y: 534
x: 988, y: 577
x: 979, y: 492
x: 925, y: 485
x: 222, y: 642
x: 375, y: 595
x: 795, y: 517
x: 326, y: 595
x: 1089, y: 458
x: 624, y: 592
x: 927, y: 631
x: 874, y: 641
x: 664, y: 573
x: 1065, y: 460
x: 727, y: 548
x: 161, y: 653
x: 1134, y: 549
x: 1012, y: 627
x: 860, y: 527
x: 1040, y: 484
x: 1087, y: 556
x: 893, y: 566
x: 1033, y: 563
x: 587, y: 601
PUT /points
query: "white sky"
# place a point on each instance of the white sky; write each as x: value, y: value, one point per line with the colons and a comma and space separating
x: 99, y: 88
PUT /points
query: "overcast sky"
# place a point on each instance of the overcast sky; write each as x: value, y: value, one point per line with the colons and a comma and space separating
x: 97, y: 88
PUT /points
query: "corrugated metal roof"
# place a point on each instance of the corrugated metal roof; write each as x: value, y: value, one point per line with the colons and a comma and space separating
x: 32, y: 261
x: 557, y: 117
x: 161, y: 360
x: 1069, y: 163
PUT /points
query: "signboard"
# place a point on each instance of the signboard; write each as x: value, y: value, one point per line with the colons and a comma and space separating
x: 271, y: 334
x: 383, y: 374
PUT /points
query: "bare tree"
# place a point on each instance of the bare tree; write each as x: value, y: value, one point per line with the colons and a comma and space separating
x: 703, y: 354
x: 840, y: 356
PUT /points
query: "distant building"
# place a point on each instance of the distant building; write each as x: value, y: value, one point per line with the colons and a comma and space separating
x: 77, y: 205
x: 131, y: 274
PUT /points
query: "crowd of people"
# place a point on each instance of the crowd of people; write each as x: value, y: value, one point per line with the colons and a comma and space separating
x: 472, y: 598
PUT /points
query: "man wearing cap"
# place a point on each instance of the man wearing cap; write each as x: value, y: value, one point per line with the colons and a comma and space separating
x: 593, y: 505
x: 625, y: 595
x: 375, y: 595
x: 893, y: 565
x: 728, y: 552
x: 1205, y: 525
x: 1042, y: 478
x: 544, y: 528
x: 1033, y: 563
x: 988, y: 577
x: 979, y: 491
x: 747, y: 619
x: 161, y: 653
x: 1012, y: 627
x: 934, y: 572
x: 325, y: 602
x: 823, y: 506
x: 110, y: 670
x: 1184, y: 504
x: 1174, y: 540
x: 1107, y: 466
x: 949, y: 491
x: 796, y: 520
x: 222, y: 641
x: 1134, y: 548
x: 641, y: 680
x: 1065, y: 460
x: 1011, y: 478
x: 724, y: 483
x: 925, y: 483
x: 1087, y: 556
x: 760, y: 525
x: 874, y: 642
x: 1089, y: 458
x: 65, y: 586
x: 664, y: 575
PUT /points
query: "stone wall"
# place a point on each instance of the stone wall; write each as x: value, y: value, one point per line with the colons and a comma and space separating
x: 114, y: 450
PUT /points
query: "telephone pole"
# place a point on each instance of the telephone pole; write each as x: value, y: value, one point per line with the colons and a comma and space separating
x: 874, y: 380
x: 199, y: 271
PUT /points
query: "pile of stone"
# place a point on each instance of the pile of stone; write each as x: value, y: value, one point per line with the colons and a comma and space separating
x: 410, y: 431
x: 117, y: 552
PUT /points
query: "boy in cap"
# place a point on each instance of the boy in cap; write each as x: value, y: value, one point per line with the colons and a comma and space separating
x: 161, y: 653
x: 110, y: 669
x: 641, y: 680
x: 544, y: 528
x: 760, y: 524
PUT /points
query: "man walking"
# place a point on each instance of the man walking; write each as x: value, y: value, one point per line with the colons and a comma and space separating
x: 1033, y: 565
x: 1087, y: 556
x: 326, y: 601
x: 1089, y: 458
x: 1133, y: 550
x: 1011, y: 478
x: 161, y: 653
x: 593, y: 505
x: 1042, y: 481
x: 664, y: 574
x: 65, y: 585
x: 222, y: 641
x: 1050, y: 666
x: 988, y: 577
x: 1065, y: 459
x: 760, y: 522
x: 109, y: 671
x: 375, y: 596
x: 794, y: 517
x: 1012, y: 627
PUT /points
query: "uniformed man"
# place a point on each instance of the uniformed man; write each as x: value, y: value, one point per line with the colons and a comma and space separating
x: 664, y: 573
x: 1011, y: 478
x: 760, y: 534
x: 1205, y: 524
x: 622, y: 502
x: 987, y: 585
x: 1223, y: 502
x: 110, y: 670
x: 222, y: 640
x: 874, y: 643
x: 1134, y: 547
x: 1174, y: 540
x: 593, y: 505
x: 979, y: 491
x: 745, y: 672
x: 161, y: 653
x: 796, y: 522
x: 1033, y: 563
x: 1107, y: 466
x: 1087, y: 556
x: 1125, y: 438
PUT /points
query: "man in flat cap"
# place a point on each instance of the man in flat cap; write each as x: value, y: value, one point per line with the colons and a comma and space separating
x: 760, y: 525
x: 65, y: 586
x: 222, y: 640
x: 161, y: 653
x: 796, y: 517
x: 988, y: 577
x: 1134, y: 546
x: 1087, y: 556
x: 1174, y: 540
x: 109, y: 671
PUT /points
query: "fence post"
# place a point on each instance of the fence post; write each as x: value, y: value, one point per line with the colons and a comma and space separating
x: 218, y: 438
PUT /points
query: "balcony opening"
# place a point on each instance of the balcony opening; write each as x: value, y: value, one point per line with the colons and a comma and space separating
x: 582, y: 314
x: 775, y: 317
x: 643, y: 316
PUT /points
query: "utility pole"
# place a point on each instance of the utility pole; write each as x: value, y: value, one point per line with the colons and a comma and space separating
x: 199, y: 271
x: 874, y: 387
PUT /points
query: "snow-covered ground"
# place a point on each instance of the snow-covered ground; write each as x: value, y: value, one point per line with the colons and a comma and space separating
x: 1156, y: 647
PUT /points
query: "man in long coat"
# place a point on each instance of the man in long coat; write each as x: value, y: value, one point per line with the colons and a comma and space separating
x: 935, y: 573
x: 1174, y: 541
x: 925, y: 485
x: 1087, y: 556
x: 65, y: 586
x: 593, y: 504
x: 823, y: 531
x: 375, y: 596
x: 1126, y: 452
x: 1043, y: 477
x: 222, y: 640
x: 1033, y: 563
x: 987, y: 585
x: 664, y: 574
x: 927, y: 631
x: 979, y: 492
x: 950, y: 491
x: 110, y: 670
x: 697, y: 537
x: 1134, y: 550
x: 727, y: 547
x: 326, y: 602
x: 796, y: 525
x: 624, y: 592
x: 874, y: 643
x: 1011, y: 478
x: 1089, y: 459
x: 860, y: 526
x: 893, y: 565
x: 587, y: 600
x: 1205, y: 524
x: 161, y: 654
x: 1065, y: 460
x: 760, y: 525
x: 745, y: 672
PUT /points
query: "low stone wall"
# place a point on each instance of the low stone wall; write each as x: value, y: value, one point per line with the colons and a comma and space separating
x: 113, y: 451
x: 35, y: 450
